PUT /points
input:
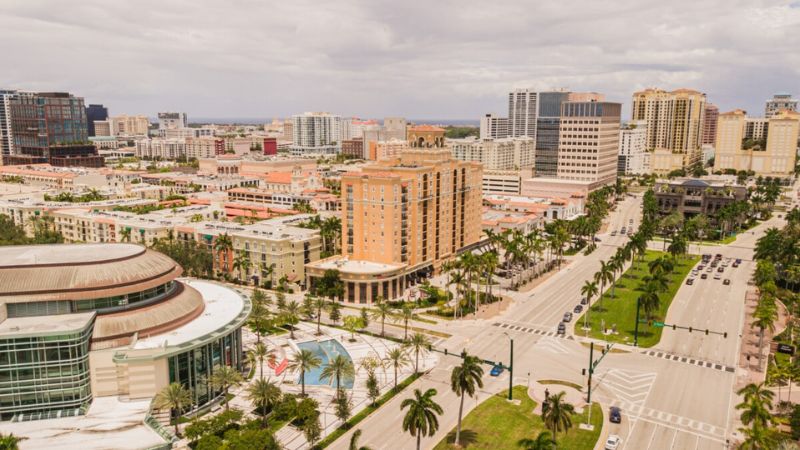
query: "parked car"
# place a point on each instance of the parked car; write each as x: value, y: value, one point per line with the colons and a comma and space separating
x: 577, y: 309
x: 701, y: 267
x: 738, y: 260
x: 562, y: 328
x: 567, y: 316
x: 584, y: 301
x: 496, y: 371
x: 690, y: 281
x: 704, y: 276
x: 726, y: 281
x: 615, y: 415
x: 613, y: 442
x: 717, y: 276
x: 614, y: 233
x: 721, y: 269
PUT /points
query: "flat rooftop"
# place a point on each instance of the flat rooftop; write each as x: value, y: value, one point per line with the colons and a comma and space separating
x: 26, y: 255
x: 109, y: 424
x: 47, y: 325
x: 222, y: 306
x: 356, y: 267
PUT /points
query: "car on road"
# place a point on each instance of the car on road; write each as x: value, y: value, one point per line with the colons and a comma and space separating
x: 613, y: 442
x: 690, y: 281
x: 738, y: 260
x: 701, y: 267
x: 496, y: 371
x: 567, y: 316
x: 709, y: 270
x: 562, y: 328
x: 717, y: 276
x: 577, y: 309
x: 585, y: 301
x: 704, y: 276
x: 615, y: 414
x: 726, y: 281
x: 614, y: 233
x: 735, y: 265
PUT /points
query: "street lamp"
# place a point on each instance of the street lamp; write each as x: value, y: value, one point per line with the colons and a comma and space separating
x: 510, y: 366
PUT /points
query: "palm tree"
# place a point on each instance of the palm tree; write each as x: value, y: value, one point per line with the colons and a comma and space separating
x: 319, y: 304
x: 406, y: 314
x: 241, y: 264
x: 264, y: 395
x: 602, y: 276
x: 125, y: 233
x: 649, y: 299
x: 259, y: 353
x: 421, y: 418
x: 354, y: 442
x: 589, y: 289
x: 291, y: 315
x: 544, y: 441
x: 174, y: 397
x: 765, y: 316
x: 398, y: 359
x: 419, y: 343
x: 223, y: 245
x: 382, y: 311
x: 755, y: 407
x: 304, y: 361
x: 337, y: 368
x: 557, y: 413
x: 465, y: 379
x: 225, y: 377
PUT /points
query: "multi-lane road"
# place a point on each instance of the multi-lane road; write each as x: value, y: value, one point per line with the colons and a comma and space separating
x: 677, y: 395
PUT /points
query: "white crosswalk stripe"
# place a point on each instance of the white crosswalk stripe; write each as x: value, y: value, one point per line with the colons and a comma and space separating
x: 552, y: 345
x: 627, y: 385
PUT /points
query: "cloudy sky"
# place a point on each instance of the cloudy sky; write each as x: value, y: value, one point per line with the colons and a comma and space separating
x: 436, y: 59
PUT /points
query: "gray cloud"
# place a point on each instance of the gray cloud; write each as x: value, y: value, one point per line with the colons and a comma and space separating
x: 435, y: 59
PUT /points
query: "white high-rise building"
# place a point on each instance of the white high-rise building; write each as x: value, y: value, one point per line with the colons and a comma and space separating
x: 172, y: 121
x: 779, y: 102
x: 522, y: 113
x: 589, y: 142
x: 125, y: 125
x: 493, y: 127
x: 495, y: 154
x: 633, y: 157
x: 6, y: 137
x: 316, y: 133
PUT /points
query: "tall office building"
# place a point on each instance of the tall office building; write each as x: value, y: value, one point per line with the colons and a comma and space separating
x: 589, y: 142
x: 125, y: 125
x: 710, y: 118
x: 50, y: 127
x: 633, y: 157
x: 401, y: 218
x: 95, y: 113
x: 548, y: 118
x: 779, y: 102
x: 522, y: 109
x: 316, y: 133
x: 493, y: 127
x: 774, y: 154
x: 6, y: 135
x: 171, y: 121
x: 674, y: 126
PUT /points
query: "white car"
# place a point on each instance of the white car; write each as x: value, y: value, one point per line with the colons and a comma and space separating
x: 613, y: 441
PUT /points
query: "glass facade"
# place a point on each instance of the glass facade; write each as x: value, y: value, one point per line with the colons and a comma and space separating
x: 39, y: 374
x: 101, y: 305
x: 193, y: 368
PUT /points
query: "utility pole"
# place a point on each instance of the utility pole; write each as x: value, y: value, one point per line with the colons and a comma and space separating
x: 591, y: 370
x: 511, y: 369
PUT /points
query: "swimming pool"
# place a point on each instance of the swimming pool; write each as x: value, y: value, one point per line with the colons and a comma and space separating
x: 325, y: 350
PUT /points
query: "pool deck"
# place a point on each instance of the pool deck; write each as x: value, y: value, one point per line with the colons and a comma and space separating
x: 364, y: 346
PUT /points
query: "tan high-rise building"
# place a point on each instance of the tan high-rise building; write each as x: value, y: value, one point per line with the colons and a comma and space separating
x: 674, y: 125
x: 710, y: 119
x: 400, y: 219
x: 737, y: 150
x: 588, y: 142
x: 125, y: 125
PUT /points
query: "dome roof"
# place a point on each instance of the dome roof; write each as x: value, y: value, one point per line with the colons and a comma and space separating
x: 80, y: 271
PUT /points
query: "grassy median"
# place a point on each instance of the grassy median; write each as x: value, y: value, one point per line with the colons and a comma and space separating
x: 621, y: 310
x: 498, y: 424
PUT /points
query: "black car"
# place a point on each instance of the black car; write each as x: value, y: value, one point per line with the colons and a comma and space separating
x: 615, y: 415
x: 577, y: 309
x: 726, y: 281
x: 584, y: 301
x: 704, y: 276
x: 721, y: 269
x: 690, y: 281
x: 562, y: 328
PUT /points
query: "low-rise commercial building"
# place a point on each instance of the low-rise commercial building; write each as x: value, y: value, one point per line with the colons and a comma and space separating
x: 695, y: 196
x: 495, y: 154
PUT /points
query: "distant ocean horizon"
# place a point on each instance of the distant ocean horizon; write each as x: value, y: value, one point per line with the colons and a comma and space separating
x: 261, y: 121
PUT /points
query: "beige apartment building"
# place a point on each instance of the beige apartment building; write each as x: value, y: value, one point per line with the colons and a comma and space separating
x: 401, y: 219
x: 674, y: 126
x: 738, y: 147
x: 125, y: 125
x: 588, y: 142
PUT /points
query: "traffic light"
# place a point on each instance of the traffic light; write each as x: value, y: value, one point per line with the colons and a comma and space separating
x: 430, y: 347
x: 583, y: 372
x: 674, y: 327
x: 725, y: 335
x: 690, y: 329
x: 445, y: 352
x: 706, y: 331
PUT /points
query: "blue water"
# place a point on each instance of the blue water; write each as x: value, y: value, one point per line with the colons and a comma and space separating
x: 325, y: 350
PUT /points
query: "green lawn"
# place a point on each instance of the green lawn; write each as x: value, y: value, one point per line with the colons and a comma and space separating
x: 621, y: 309
x: 498, y: 425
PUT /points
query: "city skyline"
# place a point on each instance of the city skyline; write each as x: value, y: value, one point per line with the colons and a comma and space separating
x: 448, y: 61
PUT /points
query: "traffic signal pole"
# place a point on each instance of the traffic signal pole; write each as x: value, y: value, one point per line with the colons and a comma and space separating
x: 591, y: 370
x: 636, y: 327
